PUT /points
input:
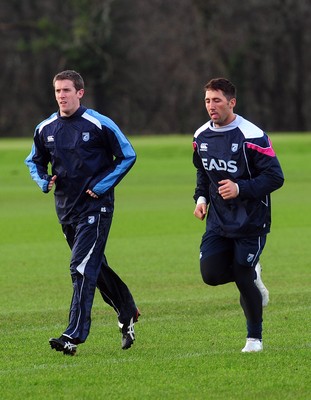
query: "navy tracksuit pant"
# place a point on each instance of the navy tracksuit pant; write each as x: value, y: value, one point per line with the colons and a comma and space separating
x: 89, y: 269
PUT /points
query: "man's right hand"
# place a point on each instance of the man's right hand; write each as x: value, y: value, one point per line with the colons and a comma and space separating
x: 200, y: 211
x: 52, y: 182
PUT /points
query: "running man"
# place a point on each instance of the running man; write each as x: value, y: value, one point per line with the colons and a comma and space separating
x: 88, y: 156
x: 237, y: 169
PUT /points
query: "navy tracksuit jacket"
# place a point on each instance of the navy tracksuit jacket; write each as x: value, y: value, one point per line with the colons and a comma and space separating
x: 87, y: 151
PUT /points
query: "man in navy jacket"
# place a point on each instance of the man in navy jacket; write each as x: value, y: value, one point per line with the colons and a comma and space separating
x: 237, y: 169
x: 88, y: 156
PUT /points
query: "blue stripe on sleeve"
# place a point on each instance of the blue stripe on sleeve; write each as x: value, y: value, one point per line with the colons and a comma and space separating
x: 127, y: 150
x: 42, y: 183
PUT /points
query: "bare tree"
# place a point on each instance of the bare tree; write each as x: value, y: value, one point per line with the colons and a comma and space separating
x: 145, y: 62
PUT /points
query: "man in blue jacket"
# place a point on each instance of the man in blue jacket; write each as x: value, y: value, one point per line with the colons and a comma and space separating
x: 237, y: 169
x: 88, y: 155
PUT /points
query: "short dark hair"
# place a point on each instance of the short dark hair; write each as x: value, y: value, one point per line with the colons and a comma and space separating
x: 71, y: 75
x: 222, y: 84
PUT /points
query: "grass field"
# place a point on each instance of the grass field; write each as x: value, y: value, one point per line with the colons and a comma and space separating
x: 190, y: 336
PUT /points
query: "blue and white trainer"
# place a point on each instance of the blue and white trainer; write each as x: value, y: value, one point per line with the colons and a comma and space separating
x: 127, y: 331
x: 63, y: 344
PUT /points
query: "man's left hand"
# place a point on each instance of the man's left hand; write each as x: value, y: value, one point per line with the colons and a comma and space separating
x: 228, y: 189
x: 92, y: 194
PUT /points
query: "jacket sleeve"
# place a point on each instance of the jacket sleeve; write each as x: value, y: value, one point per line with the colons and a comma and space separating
x: 266, y: 172
x: 202, y: 182
x: 124, y: 158
x: 37, y: 162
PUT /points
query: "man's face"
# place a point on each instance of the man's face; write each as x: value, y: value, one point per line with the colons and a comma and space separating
x: 67, y: 97
x: 219, y: 108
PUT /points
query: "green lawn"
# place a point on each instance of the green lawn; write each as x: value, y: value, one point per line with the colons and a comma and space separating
x: 189, y: 337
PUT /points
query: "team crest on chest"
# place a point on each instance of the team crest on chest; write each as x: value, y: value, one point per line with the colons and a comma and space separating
x: 86, y: 136
x: 234, y: 147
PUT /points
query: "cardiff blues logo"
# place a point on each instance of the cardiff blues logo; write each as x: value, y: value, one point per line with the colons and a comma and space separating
x: 234, y: 147
x: 91, y: 219
x: 86, y: 136
x: 250, y: 257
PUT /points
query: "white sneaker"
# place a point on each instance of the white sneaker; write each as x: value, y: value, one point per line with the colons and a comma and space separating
x: 262, y: 288
x: 252, y: 345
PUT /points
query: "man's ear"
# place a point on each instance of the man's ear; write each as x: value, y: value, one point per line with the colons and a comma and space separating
x: 232, y: 102
x: 80, y: 93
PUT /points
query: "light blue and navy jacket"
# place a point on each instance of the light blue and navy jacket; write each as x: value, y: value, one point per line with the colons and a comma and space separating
x: 242, y: 153
x: 86, y: 151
